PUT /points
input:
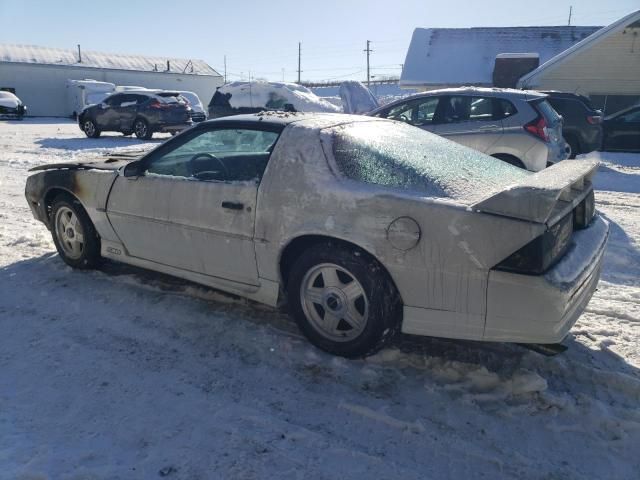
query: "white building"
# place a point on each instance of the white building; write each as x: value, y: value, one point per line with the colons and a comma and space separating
x: 604, y: 66
x: 38, y: 75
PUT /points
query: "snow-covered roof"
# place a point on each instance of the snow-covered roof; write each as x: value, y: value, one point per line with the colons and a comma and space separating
x: 466, y: 56
x: 60, y: 56
x: 628, y: 21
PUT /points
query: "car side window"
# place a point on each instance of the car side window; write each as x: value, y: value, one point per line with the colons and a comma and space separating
x: 127, y: 101
x: 225, y: 154
x: 140, y: 99
x: 503, y: 109
x: 426, y: 111
x: 402, y: 112
x: 113, y: 101
x: 456, y: 109
x: 481, y: 109
x: 631, y: 117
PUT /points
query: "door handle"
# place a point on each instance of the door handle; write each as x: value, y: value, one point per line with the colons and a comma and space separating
x: 233, y: 205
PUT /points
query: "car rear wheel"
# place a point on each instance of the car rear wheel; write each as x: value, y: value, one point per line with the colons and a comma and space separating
x: 573, y: 144
x: 73, y: 233
x: 510, y: 159
x: 343, y: 300
x: 141, y: 129
x: 90, y: 129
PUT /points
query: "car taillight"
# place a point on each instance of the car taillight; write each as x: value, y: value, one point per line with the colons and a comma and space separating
x: 540, y: 254
x: 538, y: 127
x: 594, y: 119
x: 158, y: 105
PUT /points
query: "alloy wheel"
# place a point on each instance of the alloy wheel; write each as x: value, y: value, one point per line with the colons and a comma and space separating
x: 335, y: 302
x: 69, y: 232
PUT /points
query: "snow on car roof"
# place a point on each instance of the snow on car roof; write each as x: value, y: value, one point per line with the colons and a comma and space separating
x: 264, y: 94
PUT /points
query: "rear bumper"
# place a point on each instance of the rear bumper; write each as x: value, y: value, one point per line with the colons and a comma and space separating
x: 543, y: 308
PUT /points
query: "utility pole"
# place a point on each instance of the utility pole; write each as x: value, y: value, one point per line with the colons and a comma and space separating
x: 299, y: 60
x: 570, y: 11
x: 225, y: 69
x: 368, y: 50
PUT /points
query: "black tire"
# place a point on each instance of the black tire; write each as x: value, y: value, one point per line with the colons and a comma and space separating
x: 90, y: 128
x: 510, y: 159
x: 379, y: 299
x: 89, y: 253
x: 142, y: 129
x: 574, y: 145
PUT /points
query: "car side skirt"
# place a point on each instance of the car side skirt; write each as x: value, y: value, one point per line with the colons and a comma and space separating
x: 266, y: 292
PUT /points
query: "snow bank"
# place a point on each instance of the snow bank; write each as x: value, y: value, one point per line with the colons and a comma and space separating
x: 275, y: 96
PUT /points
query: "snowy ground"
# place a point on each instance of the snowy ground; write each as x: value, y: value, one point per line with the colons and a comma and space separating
x: 125, y: 374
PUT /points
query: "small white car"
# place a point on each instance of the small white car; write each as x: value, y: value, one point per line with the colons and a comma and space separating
x: 365, y: 226
x: 516, y: 126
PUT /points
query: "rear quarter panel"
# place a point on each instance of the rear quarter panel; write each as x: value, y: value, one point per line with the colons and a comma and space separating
x: 447, y: 270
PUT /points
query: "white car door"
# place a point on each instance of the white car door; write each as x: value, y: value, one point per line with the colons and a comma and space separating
x: 192, y: 205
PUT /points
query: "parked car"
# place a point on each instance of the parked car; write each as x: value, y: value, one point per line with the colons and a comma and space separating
x: 141, y: 112
x: 365, y: 226
x: 198, y: 113
x: 622, y: 130
x: 11, y: 107
x: 239, y: 98
x: 515, y: 126
x: 581, y: 123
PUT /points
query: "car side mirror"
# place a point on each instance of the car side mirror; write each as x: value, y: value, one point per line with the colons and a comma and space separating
x: 103, y: 105
x: 132, y: 169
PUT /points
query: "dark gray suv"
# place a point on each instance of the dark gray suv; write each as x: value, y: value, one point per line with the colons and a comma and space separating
x: 142, y: 113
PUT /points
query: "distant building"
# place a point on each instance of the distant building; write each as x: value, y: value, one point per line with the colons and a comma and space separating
x: 602, y: 63
x: 454, y: 57
x: 38, y: 75
x: 604, y: 66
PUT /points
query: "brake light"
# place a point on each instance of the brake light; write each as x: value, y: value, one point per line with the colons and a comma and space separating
x: 594, y: 119
x: 158, y: 105
x: 538, y: 127
x: 543, y: 252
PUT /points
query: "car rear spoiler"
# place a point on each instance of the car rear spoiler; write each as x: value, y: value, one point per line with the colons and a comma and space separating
x: 535, y: 198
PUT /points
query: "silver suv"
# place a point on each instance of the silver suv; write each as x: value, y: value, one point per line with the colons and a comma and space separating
x: 518, y: 127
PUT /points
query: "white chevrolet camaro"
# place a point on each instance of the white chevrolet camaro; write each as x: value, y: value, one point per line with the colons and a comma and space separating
x: 364, y: 226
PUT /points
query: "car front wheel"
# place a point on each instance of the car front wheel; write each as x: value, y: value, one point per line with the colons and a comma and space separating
x: 73, y: 233
x: 90, y: 129
x: 343, y: 300
x: 142, y: 129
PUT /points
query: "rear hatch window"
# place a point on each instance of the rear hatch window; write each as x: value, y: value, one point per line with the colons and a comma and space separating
x: 399, y: 156
x: 172, y: 98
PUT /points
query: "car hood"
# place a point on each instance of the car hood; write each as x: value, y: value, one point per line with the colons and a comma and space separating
x: 112, y: 163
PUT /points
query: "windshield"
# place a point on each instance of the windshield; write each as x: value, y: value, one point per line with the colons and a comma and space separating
x: 403, y: 157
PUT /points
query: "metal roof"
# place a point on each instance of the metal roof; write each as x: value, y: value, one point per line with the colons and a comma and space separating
x: 464, y: 56
x: 90, y: 59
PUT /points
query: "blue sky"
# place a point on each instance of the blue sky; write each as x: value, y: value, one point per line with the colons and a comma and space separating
x: 261, y: 37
